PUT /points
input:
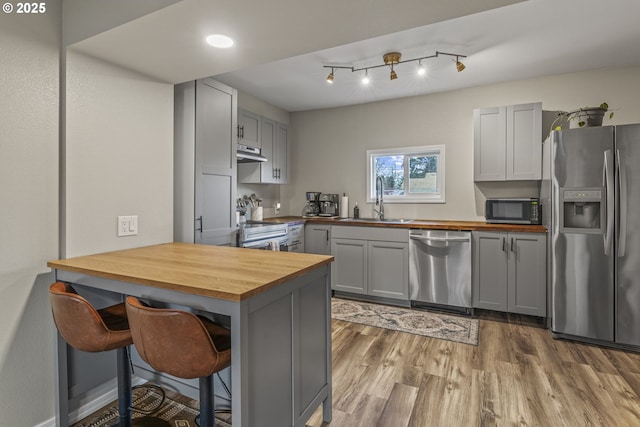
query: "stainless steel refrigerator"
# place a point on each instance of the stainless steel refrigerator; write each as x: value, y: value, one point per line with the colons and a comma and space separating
x: 595, y: 233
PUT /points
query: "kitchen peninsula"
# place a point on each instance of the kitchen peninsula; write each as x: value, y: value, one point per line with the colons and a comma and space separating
x: 277, y: 304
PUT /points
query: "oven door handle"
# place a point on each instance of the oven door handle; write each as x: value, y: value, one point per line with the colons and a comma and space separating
x: 258, y: 245
x: 439, y: 239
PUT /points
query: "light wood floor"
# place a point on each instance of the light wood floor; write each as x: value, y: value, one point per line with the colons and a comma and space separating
x: 517, y: 376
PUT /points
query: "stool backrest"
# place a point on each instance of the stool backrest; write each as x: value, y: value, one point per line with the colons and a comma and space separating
x: 172, y: 341
x: 78, y: 321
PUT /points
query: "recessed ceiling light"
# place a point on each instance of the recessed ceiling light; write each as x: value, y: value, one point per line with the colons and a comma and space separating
x: 219, y: 40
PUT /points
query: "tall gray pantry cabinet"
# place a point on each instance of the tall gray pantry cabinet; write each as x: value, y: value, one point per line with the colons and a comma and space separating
x: 205, y: 139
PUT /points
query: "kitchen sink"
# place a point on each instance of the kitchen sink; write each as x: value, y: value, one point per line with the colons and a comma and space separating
x: 377, y: 220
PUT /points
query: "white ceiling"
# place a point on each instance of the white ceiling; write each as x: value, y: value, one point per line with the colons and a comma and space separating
x: 282, y: 45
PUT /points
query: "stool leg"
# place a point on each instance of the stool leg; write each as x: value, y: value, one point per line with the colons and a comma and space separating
x: 124, y: 388
x: 207, y: 406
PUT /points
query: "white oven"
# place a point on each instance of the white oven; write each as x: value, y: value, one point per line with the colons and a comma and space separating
x: 265, y: 236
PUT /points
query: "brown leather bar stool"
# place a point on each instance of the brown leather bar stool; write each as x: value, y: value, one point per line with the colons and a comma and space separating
x: 87, y: 329
x: 183, y: 345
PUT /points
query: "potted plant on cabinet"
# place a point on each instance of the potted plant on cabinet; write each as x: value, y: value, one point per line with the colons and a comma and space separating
x: 583, y: 117
x: 589, y: 116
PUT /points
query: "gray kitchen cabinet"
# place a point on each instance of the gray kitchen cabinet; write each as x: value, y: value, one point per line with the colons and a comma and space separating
x: 349, y: 270
x: 371, y: 261
x: 281, y: 155
x: 249, y: 128
x: 508, y: 143
x: 317, y: 239
x: 274, y: 139
x: 388, y: 271
x: 509, y: 272
x: 205, y: 162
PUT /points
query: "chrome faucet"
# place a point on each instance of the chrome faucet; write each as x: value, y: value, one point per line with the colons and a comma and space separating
x: 379, y: 198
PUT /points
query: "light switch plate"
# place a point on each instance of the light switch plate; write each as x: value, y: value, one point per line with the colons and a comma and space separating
x: 127, y: 225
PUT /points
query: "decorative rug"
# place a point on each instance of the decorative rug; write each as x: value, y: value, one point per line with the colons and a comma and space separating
x: 435, y: 325
x: 177, y: 410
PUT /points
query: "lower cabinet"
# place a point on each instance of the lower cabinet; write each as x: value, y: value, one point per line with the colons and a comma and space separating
x: 370, y: 261
x: 509, y: 272
x: 317, y: 239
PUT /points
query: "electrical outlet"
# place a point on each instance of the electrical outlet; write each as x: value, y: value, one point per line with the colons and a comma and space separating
x: 127, y: 225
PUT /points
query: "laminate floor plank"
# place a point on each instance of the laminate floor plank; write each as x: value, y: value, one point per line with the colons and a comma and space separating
x: 517, y: 375
x: 625, y: 397
x: 399, y: 406
x: 544, y: 403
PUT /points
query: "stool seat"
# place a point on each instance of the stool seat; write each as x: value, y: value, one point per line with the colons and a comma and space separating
x: 87, y: 329
x: 181, y: 344
x: 84, y: 327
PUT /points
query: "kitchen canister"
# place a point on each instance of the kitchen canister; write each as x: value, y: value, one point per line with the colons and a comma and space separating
x: 344, y: 206
x: 256, y: 213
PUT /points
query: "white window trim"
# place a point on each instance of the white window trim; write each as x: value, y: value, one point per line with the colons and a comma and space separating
x: 437, y: 197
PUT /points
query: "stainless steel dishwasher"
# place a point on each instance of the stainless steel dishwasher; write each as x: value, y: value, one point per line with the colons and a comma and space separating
x: 440, y: 269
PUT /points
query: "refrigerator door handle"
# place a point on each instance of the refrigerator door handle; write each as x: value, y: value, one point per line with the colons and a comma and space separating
x: 622, y: 181
x: 609, y: 182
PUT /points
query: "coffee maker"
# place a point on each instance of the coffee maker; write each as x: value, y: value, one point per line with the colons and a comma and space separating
x: 312, y: 208
x: 329, y: 204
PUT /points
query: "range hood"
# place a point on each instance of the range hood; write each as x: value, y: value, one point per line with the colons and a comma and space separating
x: 248, y: 154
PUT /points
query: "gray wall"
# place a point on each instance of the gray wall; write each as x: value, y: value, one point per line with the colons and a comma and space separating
x: 329, y: 146
x: 119, y: 157
x: 28, y: 212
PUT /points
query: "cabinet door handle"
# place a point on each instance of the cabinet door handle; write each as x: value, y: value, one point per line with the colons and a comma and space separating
x: 278, y: 169
x: 512, y: 248
x: 199, y: 219
x: 503, y: 244
x: 327, y: 231
x: 240, y: 132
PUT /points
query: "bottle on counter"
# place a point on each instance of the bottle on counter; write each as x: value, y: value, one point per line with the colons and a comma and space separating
x: 356, y: 211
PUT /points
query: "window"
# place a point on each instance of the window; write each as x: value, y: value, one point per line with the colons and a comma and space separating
x: 409, y: 175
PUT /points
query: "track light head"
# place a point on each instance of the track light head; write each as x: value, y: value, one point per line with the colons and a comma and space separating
x: 459, y: 65
x: 365, y: 79
x: 330, y: 77
x: 393, y: 74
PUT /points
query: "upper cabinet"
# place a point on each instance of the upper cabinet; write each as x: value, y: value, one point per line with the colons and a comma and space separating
x: 249, y: 128
x: 274, y: 140
x: 508, y: 143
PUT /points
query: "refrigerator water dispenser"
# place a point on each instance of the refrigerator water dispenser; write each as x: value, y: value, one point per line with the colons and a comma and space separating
x: 583, y: 210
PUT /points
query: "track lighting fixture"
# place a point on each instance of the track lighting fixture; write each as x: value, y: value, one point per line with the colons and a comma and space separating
x: 392, y: 59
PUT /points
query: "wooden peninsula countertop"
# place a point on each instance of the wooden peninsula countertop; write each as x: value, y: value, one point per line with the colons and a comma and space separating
x: 417, y: 223
x: 232, y: 274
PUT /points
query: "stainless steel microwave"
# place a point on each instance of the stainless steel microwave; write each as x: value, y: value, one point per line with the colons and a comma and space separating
x: 513, y: 211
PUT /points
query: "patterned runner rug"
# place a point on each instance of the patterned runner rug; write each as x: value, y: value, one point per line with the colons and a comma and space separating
x: 177, y: 410
x: 435, y: 325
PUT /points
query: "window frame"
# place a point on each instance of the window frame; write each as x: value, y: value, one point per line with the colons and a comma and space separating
x: 425, y: 150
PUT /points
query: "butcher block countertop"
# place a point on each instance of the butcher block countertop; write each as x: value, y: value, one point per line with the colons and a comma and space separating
x: 232, y: 274
x: 418, y: 223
